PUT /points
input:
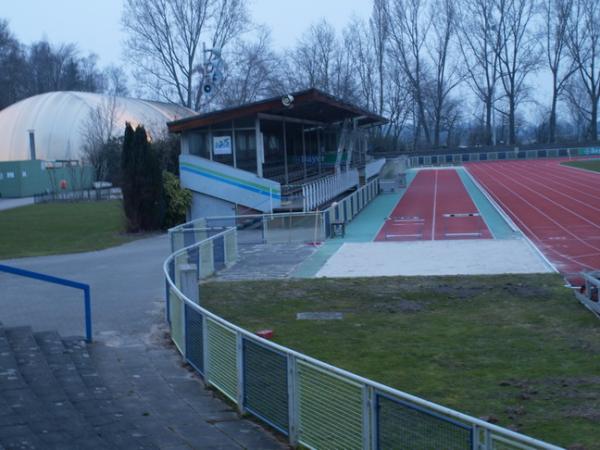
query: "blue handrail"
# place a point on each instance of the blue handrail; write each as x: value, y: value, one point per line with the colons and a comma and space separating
x: 63, y: 282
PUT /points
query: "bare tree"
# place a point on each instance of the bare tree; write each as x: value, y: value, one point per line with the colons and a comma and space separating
x: 519, y: 55
x: 557, y: 16
x: 380, y: 36
x: 366, y: 67
x: 409, y: 27
x: 313, y: 56
x: 165, y: 41
x: 445, y: 68
x: 584, y: 46
x: 478, y: 24
x: 115, y: 81
x: 97, y: 131
x: 322, y: 60
x: 257, y: 73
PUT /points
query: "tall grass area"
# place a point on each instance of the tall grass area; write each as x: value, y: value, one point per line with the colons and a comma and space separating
x: 53, y: 228
x: 592, y: 164
x: 517, y: 350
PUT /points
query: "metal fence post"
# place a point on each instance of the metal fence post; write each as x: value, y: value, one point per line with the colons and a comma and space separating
x: 240, y: 371
x: 205, y: 350
x: 373, y: 417
x: 88, y: 314
x: 367, y: 428
x: 188, y: 275
x: 293, y: 411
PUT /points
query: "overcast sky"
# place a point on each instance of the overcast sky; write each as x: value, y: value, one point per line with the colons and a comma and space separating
x: 94, y: 25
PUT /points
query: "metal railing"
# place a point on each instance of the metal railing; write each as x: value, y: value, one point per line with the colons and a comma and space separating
x: 62, y: 282
x: 324, y: 189
x: 457, y: 158
x: 279, y: 228
x: 346, y: 209
x: 313, y: 403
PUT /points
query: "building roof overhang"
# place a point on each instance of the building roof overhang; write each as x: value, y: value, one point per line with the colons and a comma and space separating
x: 311, y: 105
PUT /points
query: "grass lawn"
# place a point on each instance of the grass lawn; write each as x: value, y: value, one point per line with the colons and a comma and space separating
x: 519, y: 348
x: 593, y: 164
x: 52, y: 228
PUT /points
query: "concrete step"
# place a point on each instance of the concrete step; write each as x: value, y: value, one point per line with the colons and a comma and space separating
x: 174, y: 401
x: 42, y: 417
x: 107, y: 416
x: 62, y: 393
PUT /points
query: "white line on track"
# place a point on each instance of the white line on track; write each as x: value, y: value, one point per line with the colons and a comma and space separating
x: 585, y: 219
x: 524, y: 226
x: 523, y: 171
x: 570, y: 197
x: 556, y: 172
x: 435, y: 185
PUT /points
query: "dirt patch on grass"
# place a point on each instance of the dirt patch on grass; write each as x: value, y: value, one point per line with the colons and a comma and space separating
x: 396, y: 306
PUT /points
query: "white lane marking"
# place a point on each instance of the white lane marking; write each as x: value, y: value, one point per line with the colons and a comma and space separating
x: 434, y: 205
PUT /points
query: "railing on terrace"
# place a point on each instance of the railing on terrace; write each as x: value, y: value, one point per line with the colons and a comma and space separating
x: 216, y: 248
x: 458, y: 158
x: 373, y: 168
x: 320, y: 191
x: 311, y: 402
x: 281, y: 228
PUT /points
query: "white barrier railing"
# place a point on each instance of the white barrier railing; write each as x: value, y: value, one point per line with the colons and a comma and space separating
x: 322, y: 190
x: 372, y: 168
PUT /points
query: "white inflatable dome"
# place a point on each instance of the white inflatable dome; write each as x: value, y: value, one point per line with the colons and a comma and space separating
x: 58, y: 120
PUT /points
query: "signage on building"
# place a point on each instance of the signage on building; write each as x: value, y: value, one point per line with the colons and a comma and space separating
x: 222, y: 145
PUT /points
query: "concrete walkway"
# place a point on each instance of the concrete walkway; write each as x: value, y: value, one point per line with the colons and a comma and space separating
x: 132, y: 359
x: 10, y: 203
x: 127, y: 287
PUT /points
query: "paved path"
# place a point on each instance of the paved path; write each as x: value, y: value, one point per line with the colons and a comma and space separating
x: 126, y: 282
x: 10, y: 203
x: 153, y: 397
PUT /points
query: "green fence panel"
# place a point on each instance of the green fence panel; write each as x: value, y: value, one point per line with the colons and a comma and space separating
x: 231, y: 251
x: 207, y: 263
x: 222, y: 359
x: 176, y: 241
x: 176, y: 316
x: 266, y: 384
x: 330, y: 410
x: 404, y: 426
x: 194, y: 338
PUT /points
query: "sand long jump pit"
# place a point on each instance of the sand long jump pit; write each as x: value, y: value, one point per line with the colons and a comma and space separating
x: 446, y: 257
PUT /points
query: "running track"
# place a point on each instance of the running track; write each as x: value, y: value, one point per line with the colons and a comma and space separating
x: 435, y: 206
x: 557, y: 207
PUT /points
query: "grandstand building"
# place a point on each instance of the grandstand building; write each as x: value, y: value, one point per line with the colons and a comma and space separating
x: 298, y: 152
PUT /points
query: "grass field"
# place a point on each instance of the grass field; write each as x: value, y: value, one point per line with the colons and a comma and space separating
x: 516, y: 349
x: 593, y: 164
x: 53, y: 228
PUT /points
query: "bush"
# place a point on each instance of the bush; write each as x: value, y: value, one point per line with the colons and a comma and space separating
x: 177, y: 200
x: 142, y: 182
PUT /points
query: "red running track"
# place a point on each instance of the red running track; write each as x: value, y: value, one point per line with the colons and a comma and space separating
x: 435, y: 206
x: 557, y: 207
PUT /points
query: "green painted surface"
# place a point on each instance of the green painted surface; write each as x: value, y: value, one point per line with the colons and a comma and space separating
x: 492, y: 218
x: 330, y: 410
x: 363, y: 228
x: 27, y: 178
x: 222, y: 355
